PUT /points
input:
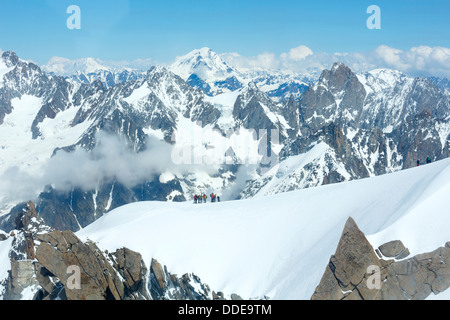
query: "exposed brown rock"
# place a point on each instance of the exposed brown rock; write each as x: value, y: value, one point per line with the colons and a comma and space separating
x: 347, y: 267
x: 394, y: 249
x: 130, y: 266
x: 346, y: 276
x: 98, y: 279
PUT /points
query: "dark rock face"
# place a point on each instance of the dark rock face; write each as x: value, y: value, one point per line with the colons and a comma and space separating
x: 373, y: 123
x: 350, y: 272
x: 338, y: 97
x: 130, y: 266
x: 76, y: 208
x: 288, y: 90
x: 230, y: 83
x: 200, y: 84
x: 165, y: 286
x: 41, y: 260
x: 250, y: 109
x: 411, y: 107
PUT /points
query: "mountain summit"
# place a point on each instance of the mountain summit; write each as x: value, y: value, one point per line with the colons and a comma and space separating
x: 203, y: 62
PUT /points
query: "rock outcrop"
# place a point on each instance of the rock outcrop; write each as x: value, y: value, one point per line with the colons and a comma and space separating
x: 166, y: 286
x: 394, y: 249
x: 23, y: 252
x: 355, y: 272
x: 48, y: 264
x: 45, y: 262
x: 163, y: 285
x: 117, y: 276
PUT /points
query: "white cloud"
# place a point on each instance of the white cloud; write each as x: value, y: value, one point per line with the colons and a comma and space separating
x: 63, y: 66
x: 391, y: 56
x: 110, y: 159
x: 138, y: 64
x: 417, y: 61
x: 298, y: 53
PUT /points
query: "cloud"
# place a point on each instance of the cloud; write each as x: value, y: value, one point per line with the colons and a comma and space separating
x: 111, y: 159
x: 298, y: 53
x: 138, y: 64
x: 262, y: 61
x: 422, y: 60
x: 64, y: 67
x: 417, y: 61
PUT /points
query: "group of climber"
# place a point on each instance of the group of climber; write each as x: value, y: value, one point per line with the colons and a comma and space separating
x: 428, y: 161
x: 199, y: 198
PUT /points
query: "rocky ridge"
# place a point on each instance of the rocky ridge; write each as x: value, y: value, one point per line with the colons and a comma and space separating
x: 47, y: 264
x: 372, y: 124
x: 349, y: 126
x: 357, y: 271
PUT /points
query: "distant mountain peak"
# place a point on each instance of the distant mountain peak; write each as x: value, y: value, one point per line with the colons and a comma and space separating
x: 203, y: 62
x: 10, y: 58
x: 66, y: 67
x: 338, y: 65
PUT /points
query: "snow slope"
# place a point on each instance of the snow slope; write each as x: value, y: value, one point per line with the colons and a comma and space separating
x: 5, y: 263
x: 279, y: 245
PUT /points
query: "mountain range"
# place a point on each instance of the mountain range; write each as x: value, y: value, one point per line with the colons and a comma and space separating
x: 82, y: 144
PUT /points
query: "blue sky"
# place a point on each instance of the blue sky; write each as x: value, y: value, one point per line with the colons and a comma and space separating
x: 161, y: 30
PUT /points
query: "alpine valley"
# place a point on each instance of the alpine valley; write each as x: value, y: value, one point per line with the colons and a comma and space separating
x: 84, y: 141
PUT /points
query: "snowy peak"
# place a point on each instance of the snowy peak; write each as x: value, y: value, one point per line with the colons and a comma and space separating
x: 89, y: 70
x: 10, y: 58
x: 338, y: 77
x: 66, y: 67
x: 204, y: 69
x: 6, y: 65
x: 203, y: 62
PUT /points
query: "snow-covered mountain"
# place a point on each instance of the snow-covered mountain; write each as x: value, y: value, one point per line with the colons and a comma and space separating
x: 82, y: 149
x: 239, y: 143
x: 273, y: 247
x: 281, y: 244
x: 49, y: 116
x: 441, y: 82
x: 211, y: 72
x: 65, y: 67
x: 90, y: 70
x: 206, y: 70
x: 360, y: 125
x: 202, y: 68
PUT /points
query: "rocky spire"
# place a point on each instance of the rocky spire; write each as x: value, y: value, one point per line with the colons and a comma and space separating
x: 352, y: 271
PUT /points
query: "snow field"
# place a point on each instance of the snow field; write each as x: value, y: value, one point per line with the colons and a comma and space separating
x: 279, y: 245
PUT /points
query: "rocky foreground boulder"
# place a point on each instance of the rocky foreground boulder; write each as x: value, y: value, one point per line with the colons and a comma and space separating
x: 116, y: 276
x: 357, y: 271
x: 48, y: 264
